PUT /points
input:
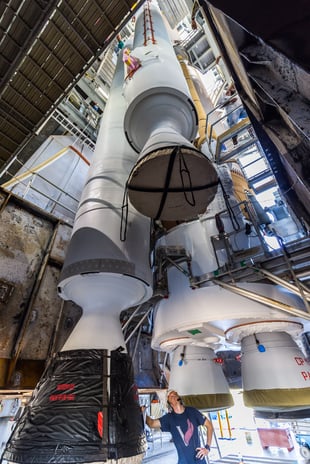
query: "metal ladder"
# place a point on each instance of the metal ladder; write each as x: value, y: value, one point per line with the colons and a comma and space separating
x: 73, y: 129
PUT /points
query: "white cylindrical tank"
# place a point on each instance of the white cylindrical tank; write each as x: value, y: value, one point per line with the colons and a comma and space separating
x: 275, y: 372
x: 171, y: 180
x: 198, y: 378
x: 157, y: 92
x: 103, y: 273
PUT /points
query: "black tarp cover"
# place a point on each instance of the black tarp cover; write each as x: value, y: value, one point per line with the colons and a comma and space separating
x: 72, y: 418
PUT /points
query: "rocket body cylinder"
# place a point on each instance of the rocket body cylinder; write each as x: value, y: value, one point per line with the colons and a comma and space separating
x: 275, y: 373
x: 171, y: 180
x: 198, y: 379
x: 98, y: 262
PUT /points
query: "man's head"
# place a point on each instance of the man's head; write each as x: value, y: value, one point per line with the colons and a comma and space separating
x: 173, y: 399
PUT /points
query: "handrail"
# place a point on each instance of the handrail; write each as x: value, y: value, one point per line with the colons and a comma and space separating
x: 40, y: 166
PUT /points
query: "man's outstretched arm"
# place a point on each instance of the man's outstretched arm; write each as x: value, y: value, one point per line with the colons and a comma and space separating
x: 152, y: 423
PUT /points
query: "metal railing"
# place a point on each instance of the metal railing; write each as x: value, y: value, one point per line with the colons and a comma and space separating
x: 73, y: 129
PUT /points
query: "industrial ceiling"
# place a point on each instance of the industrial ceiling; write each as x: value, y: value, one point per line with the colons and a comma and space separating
x: 45, y: 48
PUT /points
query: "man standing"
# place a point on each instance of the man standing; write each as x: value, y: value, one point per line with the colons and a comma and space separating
x: 183, y: 423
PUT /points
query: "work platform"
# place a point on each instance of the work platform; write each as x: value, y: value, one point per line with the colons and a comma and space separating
x: 284, y: 266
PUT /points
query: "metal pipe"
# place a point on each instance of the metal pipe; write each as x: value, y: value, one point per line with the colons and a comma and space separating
x: 263, y: 299
x: 288, y: 262
x: 136, y: 343
x: 138, y: 325
x: 131, y: 317
x: 282, y: 282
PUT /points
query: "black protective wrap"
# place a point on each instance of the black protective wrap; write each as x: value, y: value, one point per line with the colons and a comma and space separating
x: 126, y: 426
x: 70, y: 419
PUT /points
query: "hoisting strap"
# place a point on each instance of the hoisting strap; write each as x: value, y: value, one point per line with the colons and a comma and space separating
x: 124, y: 215
x: 219, y: 224
x: 167, y: 181
x: 177, y: 150
x: 173, y: 189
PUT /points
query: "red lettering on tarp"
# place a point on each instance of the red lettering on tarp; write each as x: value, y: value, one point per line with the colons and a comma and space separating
x: 306, y: 375
x: 100, y: 423
x: 218, y: 360
x: 62, y: 397
x: 299, y: 361
x: 135, y: 392
x: 65, y: 386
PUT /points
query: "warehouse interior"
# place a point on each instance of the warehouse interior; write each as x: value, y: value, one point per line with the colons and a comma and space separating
x: 57, y: 62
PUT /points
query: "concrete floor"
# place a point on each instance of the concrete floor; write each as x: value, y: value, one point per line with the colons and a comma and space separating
x: 162, y: 450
